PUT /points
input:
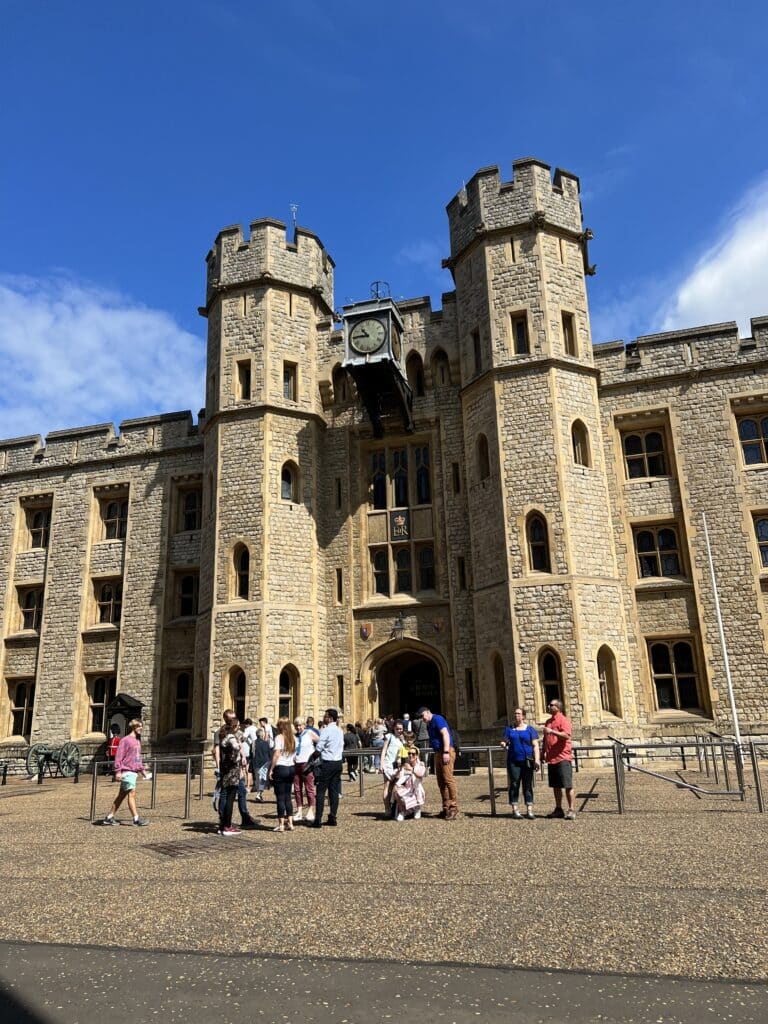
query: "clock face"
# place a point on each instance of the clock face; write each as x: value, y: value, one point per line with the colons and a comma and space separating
x: 396, y: 349
x: 367, y: 336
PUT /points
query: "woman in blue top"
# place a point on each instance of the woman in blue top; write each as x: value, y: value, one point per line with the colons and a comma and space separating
x: 523, y: 759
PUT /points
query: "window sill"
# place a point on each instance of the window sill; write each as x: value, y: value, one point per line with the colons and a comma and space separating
x: 23, y: 634
x: 755, y: 466
x: 14, y: 741
x: 646, y: 480
x: 188, y: 533
x: 648, y: 585
x: 674, y: 716
x: 427, y: 597
x: 90, y: 737
x: 99, y: 628
x: 180, y: 621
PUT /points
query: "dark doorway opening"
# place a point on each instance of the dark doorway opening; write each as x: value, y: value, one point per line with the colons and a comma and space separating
x: 408, y: 682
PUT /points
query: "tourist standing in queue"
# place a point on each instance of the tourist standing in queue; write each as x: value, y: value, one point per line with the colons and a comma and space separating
x: 351, y: 742
x: 231, y: 765
x: 441, y: 741
x: 558, y: 753
x: 378, y: 734
x: 391, y: 755
x: 523, y: 760
x: 330, y: 747
x: 304, y: 778
x: 282, y: 772
x: 260, y: 759
x: 128, y: 766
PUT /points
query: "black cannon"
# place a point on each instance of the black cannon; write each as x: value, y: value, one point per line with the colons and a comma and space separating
x: 66, y: 759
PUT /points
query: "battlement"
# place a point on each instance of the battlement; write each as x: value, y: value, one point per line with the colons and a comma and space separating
x: 688, y: 351
x: 145, y: 436
x: 487, y: 203
x: 266, y: 257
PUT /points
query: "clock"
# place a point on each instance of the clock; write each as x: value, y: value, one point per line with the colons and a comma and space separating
x: 396, y: 348
x: 367, y: 336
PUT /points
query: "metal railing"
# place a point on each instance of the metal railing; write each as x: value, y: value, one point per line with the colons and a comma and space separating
x: 155, y: 766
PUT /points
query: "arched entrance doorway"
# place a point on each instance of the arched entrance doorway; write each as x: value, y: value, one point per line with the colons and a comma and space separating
x: 406, y: 682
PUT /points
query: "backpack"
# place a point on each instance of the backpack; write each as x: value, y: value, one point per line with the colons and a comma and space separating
x: 456, y: 739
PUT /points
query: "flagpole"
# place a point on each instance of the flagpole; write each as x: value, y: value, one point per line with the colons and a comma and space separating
x: 726, y: 663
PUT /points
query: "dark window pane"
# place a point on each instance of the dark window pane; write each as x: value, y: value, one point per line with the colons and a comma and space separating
x: 550, y: 667
x: 633, y: 444
x: 753, y: 454
x: 654, y: 442
x: 667, y: 540
x: 635, y: 468
x: 748, y: 430
x: 665, y: 693
x: 761, y: 528
x: 683, y: 658
x: 660, y: 659
x: 670, y: 565
x: 686, y: 688
x: 656, y: 465
x: 649, y: 565
x: 645, y: 541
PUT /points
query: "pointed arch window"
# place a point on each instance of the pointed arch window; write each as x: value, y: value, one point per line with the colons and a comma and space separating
x: 550, y: 676
x: 608, y: 680
x: 538, y: 543
x: 238, y: 691
x: 381, y: 571
x: 340, y: 385
x: 109, y: 600
x: 400, y: 476
x: 31, y: 602
x: 101, y: 693
x: 289, y: 482
x: 580, y: 442
x: 675, y: 678
x: 242, y: 565
x: 288, y: 701
x: 22, y: 697
x: 414, y: 371
x: 423, y: 489
x: 482, y: 457
x: 500, y: 688
x: 441, y: 370
x: 379, y: 479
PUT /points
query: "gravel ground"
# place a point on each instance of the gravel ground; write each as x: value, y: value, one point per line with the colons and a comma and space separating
x: 666, y: 889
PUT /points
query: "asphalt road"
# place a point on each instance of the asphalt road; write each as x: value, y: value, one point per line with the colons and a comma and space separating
x: 47, y: 984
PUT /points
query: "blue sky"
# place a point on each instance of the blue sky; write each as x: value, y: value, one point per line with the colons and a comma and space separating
x: 133, y: 133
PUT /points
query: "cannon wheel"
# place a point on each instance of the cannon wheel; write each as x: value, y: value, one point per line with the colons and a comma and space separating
x: 69, y: 759
x: 35, y: 757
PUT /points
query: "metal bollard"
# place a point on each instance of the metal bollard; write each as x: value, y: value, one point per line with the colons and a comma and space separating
x: 756, y: 772
x: 187, y: 788
x: 5, y: 774
x: 491, y: 786
x: 698, y: 754
x: 682, y: 756
x: 738, y: 759
x: 200, y: 794
x: 94, y: 783
x: 726, y: 772
x: 361, y: 774
x: 715, y: 769
x: 153, y: 790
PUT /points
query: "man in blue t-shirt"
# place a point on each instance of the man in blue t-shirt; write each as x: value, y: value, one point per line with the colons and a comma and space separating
x: 441, y: 741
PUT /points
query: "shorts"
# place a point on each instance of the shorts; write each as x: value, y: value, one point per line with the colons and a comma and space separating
x: 560, y: 775
x: 128, y: 781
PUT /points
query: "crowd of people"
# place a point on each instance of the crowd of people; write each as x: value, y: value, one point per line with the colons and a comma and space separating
x: 303, y: 764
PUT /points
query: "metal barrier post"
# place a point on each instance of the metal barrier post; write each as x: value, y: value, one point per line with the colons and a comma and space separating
x: 94, y: 782
x: 491, y: 788
x: 758, y: 781
x: 5, y: 774
x: 726, y: 772
x: 738, y: 759
x: 187, y: 788
x: 200, y: 794
x: 698, y: 754
x: 361, y: 773
x: 618, y: 774
x: 153, y: 790
x: 576, y: 759
x: 682, y: 756
x: 715, y: 769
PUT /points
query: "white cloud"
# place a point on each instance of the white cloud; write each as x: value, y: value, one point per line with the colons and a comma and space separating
x: 730, y: 280
x: 72, y: 354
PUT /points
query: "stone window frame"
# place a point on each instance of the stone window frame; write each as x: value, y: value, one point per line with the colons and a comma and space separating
x: 188, y: 514
x: 288, y: 692
x: 658, y: 551
x: 414, y: 372
x: 580, y: 444
x: 519, y: 345
x: 482, y: 457
x: 38, y: 517
x: 551, y: 683
x: 186, y: 593
x: 243, y: 378
x: 290, y: 479
x: 290, y: 385
x: 240, y: 581
x: 236, y: 693
x: 608, y: 681
x: 643, y: 457
x: 760, y: 533
x: 675, y: 676
x: 340, y: 380
x: 31, y: 602
x: 538, y: 549
x: 569, y: 333
x: 114, y: 512
x: 440, y: 369
x: 177, y: 701
x: 108, y: 601
x: 21, y: 712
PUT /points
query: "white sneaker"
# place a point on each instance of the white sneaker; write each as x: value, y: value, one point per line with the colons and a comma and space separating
x: 416, y: 815
x: 310, y: 814
x: 400, y: 817
x: 297, y: 815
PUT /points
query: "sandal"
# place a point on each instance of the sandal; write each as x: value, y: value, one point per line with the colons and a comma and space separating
x: 279, y: 828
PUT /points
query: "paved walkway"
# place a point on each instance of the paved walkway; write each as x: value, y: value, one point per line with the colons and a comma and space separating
x: 487, y: 907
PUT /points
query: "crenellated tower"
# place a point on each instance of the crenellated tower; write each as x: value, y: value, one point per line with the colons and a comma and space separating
x: 547, y: 594
x: 269, y: 301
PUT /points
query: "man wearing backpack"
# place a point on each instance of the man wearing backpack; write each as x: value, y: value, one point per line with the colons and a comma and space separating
x: 442, y: 742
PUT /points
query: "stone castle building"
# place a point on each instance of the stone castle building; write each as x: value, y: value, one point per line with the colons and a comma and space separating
x: 519, y: 517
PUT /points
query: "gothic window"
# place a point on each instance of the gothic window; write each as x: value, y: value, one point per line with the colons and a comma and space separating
x: 288, y: 703
x: 289, y: 482
x: 188, y: 586
x: 101, y: 693
x: 290, y: 381
x: 644, y: 454
x: 608, y: 680
x: 580, y: 442
x: 114, y: 516
x: 414, y: 371
x: 340, y: 389
x: 242, y: 564
x: 426, y: 561
x: 423, y: 492
x: 191, y: 509
x: 500, y: 688
x: 244, y: 379
x: 538, y: 543
x: 550, y: 676
x: 657, y: 552
x: 673, y: 667
x: 403, y: 577
x: 483, y: 459
x: 441, y: 370
x: 22, y: 697
x: 237, y: 691
x: 39, y: 526
x: 753, y: 434
x: 400, y: 477
x: 182, y: 701
x: 379, y: 479
x: 31, y: 603
x: 381, y: 571
x: 477, y: 352
x: 520, y: 343
x: 761, y: 533
x: 109, y: 601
